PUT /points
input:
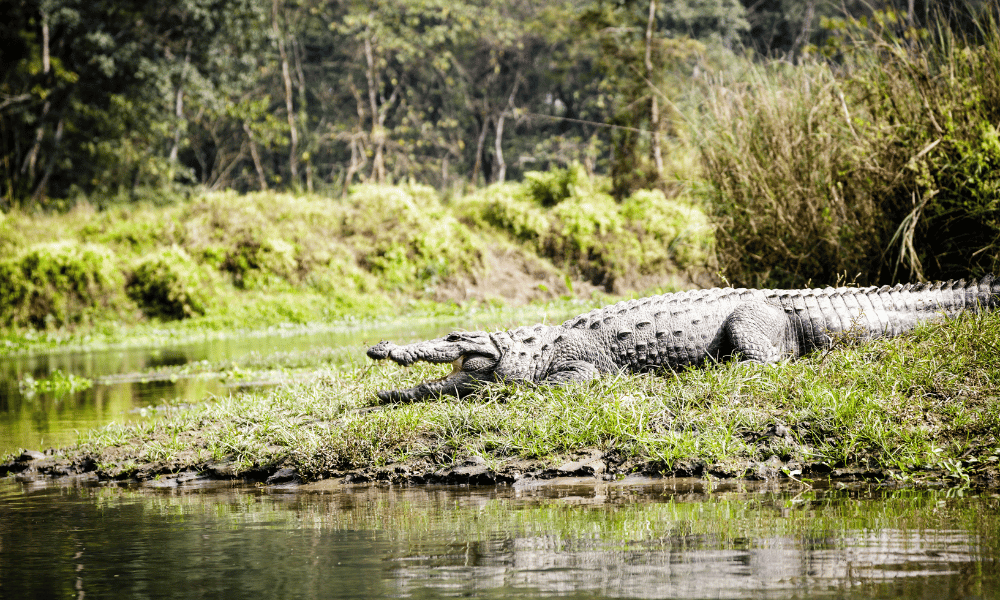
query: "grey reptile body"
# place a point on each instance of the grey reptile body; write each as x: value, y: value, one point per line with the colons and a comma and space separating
x: 673, y: 331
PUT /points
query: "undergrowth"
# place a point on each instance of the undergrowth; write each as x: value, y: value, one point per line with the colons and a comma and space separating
x: 877, y: 156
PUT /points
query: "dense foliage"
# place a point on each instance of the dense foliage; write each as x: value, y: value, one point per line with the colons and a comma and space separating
x: 825, y: 140
x: 225, y: 256
x: 881, y: 165
x: 135, y: 97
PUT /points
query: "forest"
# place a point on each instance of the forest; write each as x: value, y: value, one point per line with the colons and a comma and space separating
x: 826, y: 141
x: 128, y: 97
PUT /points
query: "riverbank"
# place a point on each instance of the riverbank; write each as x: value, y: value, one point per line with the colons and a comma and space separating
x: 919, y: 409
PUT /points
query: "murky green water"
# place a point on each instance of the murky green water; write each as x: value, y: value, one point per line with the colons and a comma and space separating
x: 665, y: 540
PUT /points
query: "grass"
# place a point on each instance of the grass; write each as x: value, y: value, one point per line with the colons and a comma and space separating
x: 921, y: 406
x: 878, y: 159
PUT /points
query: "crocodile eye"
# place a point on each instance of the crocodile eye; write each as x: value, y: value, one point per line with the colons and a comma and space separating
x: 453, y: 337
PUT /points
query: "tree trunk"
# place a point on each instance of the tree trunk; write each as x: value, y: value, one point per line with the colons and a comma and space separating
x: 377, y: 135
x: 303, y: 108
x: 256, y: 157
x: 358, y: 158
x: 43, y: 184
x: 32, y: 159
x: 803, y: 37
x: 179, y: 104
x: 289, y: 102
x: 501, y: 165
x: 654, y: 108
x: 479, y: 151
x: 498, y: 142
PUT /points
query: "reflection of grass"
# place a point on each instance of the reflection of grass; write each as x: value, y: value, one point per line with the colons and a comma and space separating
x: 923, y: 401
x: 57, y: 383
x: 630, y: 516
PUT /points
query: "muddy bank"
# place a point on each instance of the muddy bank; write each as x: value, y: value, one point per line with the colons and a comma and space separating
x: 588, y: 465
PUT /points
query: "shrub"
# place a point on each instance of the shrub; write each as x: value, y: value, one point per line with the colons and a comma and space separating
x: 52, y: 285
x: 669, y: 231
x: 169, y: 285
x: 552, y: 187
x: 406, y: 238
x: 507, y: 207
x: 256, y: 262
x: 588, y: 232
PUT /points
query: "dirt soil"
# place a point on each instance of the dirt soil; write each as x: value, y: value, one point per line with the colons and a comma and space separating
x: 589, y: 465
x: 518, y: 278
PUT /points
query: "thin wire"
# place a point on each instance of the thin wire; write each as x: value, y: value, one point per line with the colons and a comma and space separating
x: 595, y: 123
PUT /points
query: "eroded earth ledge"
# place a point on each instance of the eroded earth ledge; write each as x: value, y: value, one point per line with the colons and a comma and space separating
x: 589, y: 464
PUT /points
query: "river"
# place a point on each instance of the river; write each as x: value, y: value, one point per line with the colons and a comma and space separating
x: 635, y: 539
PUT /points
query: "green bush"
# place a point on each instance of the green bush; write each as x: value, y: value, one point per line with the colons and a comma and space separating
x: 257, y: 262
x: 52, y: 285
x: 136, y: 229
x: 669, y: 231
x: 588, y: 232
x: 406, y: 238
x: 552, y: 187
x: 507, y: 207
x: 169, y: 285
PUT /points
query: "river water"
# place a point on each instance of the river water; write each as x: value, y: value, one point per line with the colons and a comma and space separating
x: 639, y: 539
x: 569, y: 539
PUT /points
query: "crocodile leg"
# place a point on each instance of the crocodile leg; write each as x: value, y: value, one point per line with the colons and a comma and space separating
x: 760, y: 332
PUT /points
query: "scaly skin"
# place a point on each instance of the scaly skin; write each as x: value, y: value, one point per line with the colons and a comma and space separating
x: 687, y: 328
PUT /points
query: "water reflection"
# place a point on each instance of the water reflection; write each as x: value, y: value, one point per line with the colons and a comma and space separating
x: 655, y: 541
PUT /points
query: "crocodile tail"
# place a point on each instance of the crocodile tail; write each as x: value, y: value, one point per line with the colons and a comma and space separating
x: 988, y: 296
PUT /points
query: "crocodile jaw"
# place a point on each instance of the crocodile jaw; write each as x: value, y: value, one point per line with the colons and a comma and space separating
x: 473, y: 357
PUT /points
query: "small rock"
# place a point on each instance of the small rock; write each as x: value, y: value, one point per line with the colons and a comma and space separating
x: 188, y: 476
x: 30, y: 455
x: 472, y: 474
x: 284, y: 475
x: 223, y: 469
x: 590, y: 466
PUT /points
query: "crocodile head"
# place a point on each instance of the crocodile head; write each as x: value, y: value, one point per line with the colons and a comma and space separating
x: 474, y: 355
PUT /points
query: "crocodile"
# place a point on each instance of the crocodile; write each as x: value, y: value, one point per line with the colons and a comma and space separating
x: 677, y: 330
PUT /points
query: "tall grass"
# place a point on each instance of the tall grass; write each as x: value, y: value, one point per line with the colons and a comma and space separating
x: 882, y: 159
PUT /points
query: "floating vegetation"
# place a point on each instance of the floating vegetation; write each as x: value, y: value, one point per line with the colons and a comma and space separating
x: 57, y: 383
